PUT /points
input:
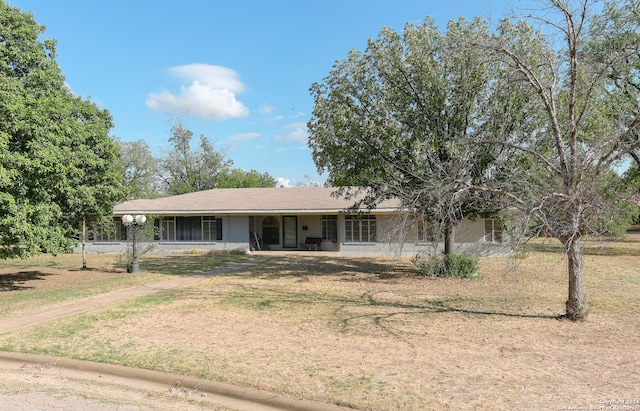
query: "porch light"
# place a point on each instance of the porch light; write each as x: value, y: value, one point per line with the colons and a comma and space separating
x: 133, y: 222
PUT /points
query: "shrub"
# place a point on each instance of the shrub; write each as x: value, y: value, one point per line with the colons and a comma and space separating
x: 450, y: 265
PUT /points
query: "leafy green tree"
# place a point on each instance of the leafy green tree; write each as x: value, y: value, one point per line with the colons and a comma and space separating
x: 238, y: 178
x: 140, y: 170
x: 186, y: 170
x: 394, y: 118
x: 58, y: 165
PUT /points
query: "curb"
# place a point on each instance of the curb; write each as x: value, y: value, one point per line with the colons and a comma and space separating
x: 211, y: 391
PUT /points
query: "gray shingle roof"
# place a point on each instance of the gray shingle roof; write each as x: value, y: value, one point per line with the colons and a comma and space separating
x: 247, y: 201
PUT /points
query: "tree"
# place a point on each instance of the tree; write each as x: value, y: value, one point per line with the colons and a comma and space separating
x: 393, y: 119
x: 238, y: 178
x: 140, y: 170
x: 187, y: 170
x: 58, y: 165
x: 579, y: 73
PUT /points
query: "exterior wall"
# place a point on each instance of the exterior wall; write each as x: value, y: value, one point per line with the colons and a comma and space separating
x: 235, y: 231
x: 313, y: 223
x: 162, y: 247
x: 391, y: 239
x: 235, y: 236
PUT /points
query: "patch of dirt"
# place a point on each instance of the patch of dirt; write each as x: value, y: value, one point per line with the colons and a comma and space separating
x: 36, y: 388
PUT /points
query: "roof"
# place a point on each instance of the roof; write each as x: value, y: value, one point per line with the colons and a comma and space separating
x: 302, y: 200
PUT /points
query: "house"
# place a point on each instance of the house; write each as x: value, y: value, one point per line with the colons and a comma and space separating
x: 289, y: 219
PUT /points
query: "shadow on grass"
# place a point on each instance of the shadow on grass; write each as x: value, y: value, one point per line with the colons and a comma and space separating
x: 628, y: 245
x: 384, y: 315
x: 435, y: 306
x: 349, y: 269
x: 15, y: 281
x: 501, y: 314
x: 601, y: 249
x: 188, y: 264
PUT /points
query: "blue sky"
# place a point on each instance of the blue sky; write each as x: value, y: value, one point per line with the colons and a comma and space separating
x: 237, y: 71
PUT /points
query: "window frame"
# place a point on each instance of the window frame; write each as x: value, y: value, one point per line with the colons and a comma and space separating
x: 426, y: 231
x: 360, y: 229
x: 330, y: 228
x: 117, y: 234
x: 493, y: 231
x: 211, y: 228
x: 271, y: 228
x: 167, y: 226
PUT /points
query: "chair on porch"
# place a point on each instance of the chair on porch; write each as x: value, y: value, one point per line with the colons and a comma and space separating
x: 312, y: 243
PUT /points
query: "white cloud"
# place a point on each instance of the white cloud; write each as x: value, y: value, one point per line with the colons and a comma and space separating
x: 266, y: 109
x: 218, y: 77
x: 283, y: 182
x: 211, y: 94
x: 296, y: 132
x: 243, y: 137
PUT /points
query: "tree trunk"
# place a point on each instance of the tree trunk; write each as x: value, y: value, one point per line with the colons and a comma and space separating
x: 575, y: 308
x: 84, y: 241
x: 449, y: 238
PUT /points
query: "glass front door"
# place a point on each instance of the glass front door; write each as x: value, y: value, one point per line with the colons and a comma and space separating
x: 290, y: 228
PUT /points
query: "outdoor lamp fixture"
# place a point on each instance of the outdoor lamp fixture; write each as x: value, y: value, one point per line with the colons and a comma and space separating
x: 133, y: 222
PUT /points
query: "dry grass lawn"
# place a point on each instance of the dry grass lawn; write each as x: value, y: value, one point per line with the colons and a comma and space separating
x: 364, y: 333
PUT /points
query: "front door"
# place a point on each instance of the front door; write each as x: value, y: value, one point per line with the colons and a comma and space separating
x: 290, y: 228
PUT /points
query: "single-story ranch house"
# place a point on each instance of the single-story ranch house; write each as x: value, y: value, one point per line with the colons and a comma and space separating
x: 288, y: 219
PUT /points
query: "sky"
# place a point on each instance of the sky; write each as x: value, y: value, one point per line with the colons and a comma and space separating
x: 238, y: 71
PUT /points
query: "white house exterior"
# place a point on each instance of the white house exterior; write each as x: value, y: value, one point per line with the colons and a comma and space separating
x: 289, y: 219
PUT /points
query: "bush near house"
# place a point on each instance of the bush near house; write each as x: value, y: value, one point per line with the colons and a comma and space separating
x: 449, y: 265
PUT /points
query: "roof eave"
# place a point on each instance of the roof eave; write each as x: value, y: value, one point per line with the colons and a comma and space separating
x: 247, y: 212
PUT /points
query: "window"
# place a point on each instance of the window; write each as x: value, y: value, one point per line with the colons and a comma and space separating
x: 271, y: 230
x: 116, y: 233
x: 205, y: 228
x: 427, y: 231
x: 189, y: 228
x: 492, y: 231
x: 211, y: 228
x: 360, y: 228
x: 168, y: 229
x: 330, y: 227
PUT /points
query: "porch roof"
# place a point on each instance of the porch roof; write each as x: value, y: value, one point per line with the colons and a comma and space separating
x: 306, y: 200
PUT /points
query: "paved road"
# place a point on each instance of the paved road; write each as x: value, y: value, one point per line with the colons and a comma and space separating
x: 34, y: 369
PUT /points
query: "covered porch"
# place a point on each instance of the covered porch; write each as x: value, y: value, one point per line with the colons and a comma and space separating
x: 293, y: 233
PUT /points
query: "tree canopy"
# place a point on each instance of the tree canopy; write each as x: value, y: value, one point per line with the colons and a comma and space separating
x: 394, y: 119
x: 183, y: 168
x: 58, y: 165
x: 140, y: 170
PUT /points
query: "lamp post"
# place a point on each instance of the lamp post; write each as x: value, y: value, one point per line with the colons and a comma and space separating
x: 133, y: 222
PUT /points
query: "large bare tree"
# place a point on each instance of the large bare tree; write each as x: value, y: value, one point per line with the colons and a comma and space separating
x: 574, y: 67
